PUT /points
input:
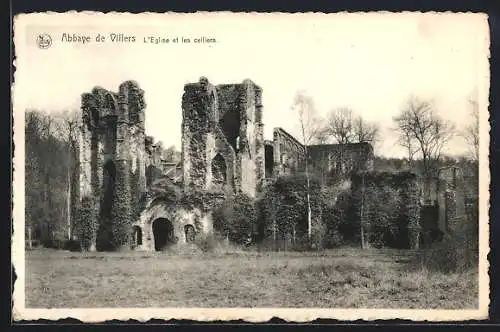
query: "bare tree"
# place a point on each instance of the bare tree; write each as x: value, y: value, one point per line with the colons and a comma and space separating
x: 471, y: 132
x: 418, y: 124
x: 171, y: 154
x: 321, y: 136
x: 68, y: 126
x: 365, y: 131
x: 408, y: 142
x: 340, y: 125
x: 310, y: 127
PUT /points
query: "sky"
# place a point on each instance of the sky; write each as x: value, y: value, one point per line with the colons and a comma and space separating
x: 371, y: 63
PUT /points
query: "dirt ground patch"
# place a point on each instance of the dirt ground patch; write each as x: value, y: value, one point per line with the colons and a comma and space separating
x: 332, y: 279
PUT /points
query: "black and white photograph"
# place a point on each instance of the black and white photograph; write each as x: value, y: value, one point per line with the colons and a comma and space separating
x: 224, y: 166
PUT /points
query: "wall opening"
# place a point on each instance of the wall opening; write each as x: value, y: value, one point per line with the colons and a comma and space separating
x: 152, y: 173
x: 219, y: 170
x: 269, y: 160
x: 230, y: 124
x: 190, y: 233
x: 163, y: 232
x: 137, y: 236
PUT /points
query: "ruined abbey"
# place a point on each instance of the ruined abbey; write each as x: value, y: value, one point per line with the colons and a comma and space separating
x: 223, y: 148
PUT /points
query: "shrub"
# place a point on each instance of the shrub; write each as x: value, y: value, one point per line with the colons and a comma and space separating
x: 72, y: 245
x: 386, y: 205
x: 457, y: 251
x: 283, y: 212
x: 236, y: 218
x: 203, y: 200
x: 206, y: 243
x: 332, y: 221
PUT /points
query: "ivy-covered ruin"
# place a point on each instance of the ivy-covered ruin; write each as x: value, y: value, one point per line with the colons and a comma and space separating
x: 129, y: 198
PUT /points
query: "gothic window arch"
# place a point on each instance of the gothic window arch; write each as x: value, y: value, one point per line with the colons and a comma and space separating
x: 219, y: 169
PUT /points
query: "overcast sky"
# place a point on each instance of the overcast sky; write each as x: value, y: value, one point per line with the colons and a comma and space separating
x: 370, y: 63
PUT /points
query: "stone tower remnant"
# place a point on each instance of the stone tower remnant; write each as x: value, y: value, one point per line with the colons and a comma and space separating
x: 223, y: 136
x: 112, y: 152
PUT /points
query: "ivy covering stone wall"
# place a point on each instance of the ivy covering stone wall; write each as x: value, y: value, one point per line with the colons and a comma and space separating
x: 87, y: 223
x: 122, y: 210
x: 283, y: 209
x: 387, y: 206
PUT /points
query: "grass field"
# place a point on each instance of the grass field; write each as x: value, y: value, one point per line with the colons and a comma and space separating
x: 344, y: 278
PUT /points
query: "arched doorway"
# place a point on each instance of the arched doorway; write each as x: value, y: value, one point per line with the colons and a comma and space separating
x: 163, y: 232
x: 219, y: 170
x: 190, y: 233
x: 137, y: 236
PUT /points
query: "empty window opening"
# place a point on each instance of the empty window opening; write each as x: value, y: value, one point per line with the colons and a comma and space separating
x: 230, y: 125
x: 269, y: 160
x: 137, y: 236
x: 190, y: 233
x: 219, y: 170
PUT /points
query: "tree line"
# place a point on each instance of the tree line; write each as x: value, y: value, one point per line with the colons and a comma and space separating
x: 419, y: 128
x: 421, y: 132
x: 51, y: 167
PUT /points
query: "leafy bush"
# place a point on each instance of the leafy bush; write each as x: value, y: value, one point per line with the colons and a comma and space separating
x: 206, y: 243
x: 332, y: 215
x: 236, y: 218
x: 386, y: 206
x: 72, y: 245
x: 380, y: 215
x: 204, y: 200
x: 283, y: 213
x: 458, y: 251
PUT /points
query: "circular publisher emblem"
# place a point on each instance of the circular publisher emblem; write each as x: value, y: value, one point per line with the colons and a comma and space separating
x: 44, y: 41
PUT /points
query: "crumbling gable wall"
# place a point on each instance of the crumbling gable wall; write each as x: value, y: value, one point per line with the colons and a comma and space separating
x: 112, y: 157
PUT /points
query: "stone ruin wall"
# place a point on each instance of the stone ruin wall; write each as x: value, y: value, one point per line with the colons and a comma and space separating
x: 154, y: 166
x: 112, y: 141
x: 451, y: 197
x: 223, y: 121
x: 288, y: 153
x: 288, y: 156
x: 341, y: 158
